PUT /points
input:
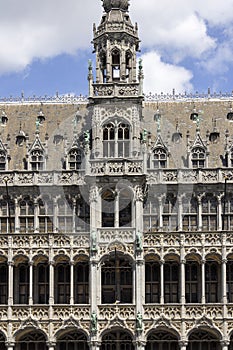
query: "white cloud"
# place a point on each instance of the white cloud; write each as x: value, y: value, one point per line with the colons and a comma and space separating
x: 163, y: 77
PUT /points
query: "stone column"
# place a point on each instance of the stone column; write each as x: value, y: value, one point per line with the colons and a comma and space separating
x: 51, y: 283
x: 139, y: 345
x: 116, y: 210
x: 51, y: 345
x: 94, y: 345
x: 10, y: 346
x: 160, y: 213
x: 138, y: 208
x: 180, y: 222
x: 183, y: 344
x: 219, y: 217
x: 182, y: 281
x: 55, y: 219
x: 224, y: 269
x: 10, y: 282
x: 71, y: 282
x: 94, y: 282
x: 17, y: 211
x: 199, y: 214
x: 162, y: 282
x: 140, y: 284
x: 203, y: 281
x: 224, y: 344
x: 30, y: 282
x: 36, y: 217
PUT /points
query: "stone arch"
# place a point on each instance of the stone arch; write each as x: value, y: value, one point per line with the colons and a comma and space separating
x: 31, y: 336
x: 162, y: 334
x: 77, y: 336
x: 118, y: 337
x: 193, y: 257
x: 205, y: 333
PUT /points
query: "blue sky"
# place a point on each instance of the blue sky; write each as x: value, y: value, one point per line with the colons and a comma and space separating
x: 46, y: 44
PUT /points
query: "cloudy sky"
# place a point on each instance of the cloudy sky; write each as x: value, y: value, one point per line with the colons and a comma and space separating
x: 45, y: 45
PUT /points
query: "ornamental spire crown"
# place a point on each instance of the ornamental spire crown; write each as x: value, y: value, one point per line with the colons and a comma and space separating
x: 109, y: 5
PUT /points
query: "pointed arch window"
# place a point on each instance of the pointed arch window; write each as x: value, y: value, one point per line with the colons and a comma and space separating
x: 192, y: 281
x: 3, y: 160
x: 75, y: 157
x: 228, y: 215
x: 115, y: 65
x: 128, y: 61
x: 81, y: 291
x: 62, y: 279
x: 3, y: 283
x: 198, y: 157
x: 212, y: 281
x: 116, y: 140
x: 230, y: 281
x: 231, y: 158
x: 41, y: 285
x: 21, y: 283
x: 73, y: 341
x: 202, y: 340
x: 152, y: 281
x: 159, y: 158
x: 32, y: 341
x: 37, y: 160
x: 171, y: 282
x: 82, y: 217
x: 117, y: 340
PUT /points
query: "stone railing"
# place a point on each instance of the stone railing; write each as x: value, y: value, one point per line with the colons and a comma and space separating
x: 117, y: 167
x: 116, y: 90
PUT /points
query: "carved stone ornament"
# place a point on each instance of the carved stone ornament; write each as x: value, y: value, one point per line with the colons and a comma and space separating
x: 30, y: 322
x: 204, y: 322
x: 116, y: 322
x: 71, y: 322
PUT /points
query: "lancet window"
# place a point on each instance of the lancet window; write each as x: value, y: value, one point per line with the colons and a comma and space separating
x: 41, y: 283
x: 227, y: 213
x: 159, y: 158
x: 3, y: 283
x: 82, y: 217
x: 3, y: 160
x: 116, y: 65
x: 198, y: 157
x: 21, y: 283
x: 81, y: 286
x: 230, y: 281
x: 62, y: 279
x: 65, y: 215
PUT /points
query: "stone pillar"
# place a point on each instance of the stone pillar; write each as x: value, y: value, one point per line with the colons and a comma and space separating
x: 219, y: 216
x: 224, y: 281
x: 224, y: 344
x: 183, y: 344
x: 94, y: 345
x: 36, y: 217
x: 139, y: 345
x: 160, y: 213
x: 17, y: 211
x: 51, y: 284
x: 94, y: 283
x: 51, y: 345
x: 30, y: 282
x: 162, y: 282
x: 71, y: 282
x: 10, y: 346
x: 140, y: 284
x: 55, y: 218
x: 116, y: 210
x: 199, y: 214
x: 10, y: 282
x: 138, y: 208
x: 203, y: 281
x: 180, y: 223
x: 182, y: 281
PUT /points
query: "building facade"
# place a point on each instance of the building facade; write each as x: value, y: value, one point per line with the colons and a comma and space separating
x: 116, y: 212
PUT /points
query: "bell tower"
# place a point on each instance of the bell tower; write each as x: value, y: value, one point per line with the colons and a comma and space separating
x: 116, y: 43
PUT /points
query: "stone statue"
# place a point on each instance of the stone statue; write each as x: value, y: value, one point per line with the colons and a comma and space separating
x: 93, y: 322
x: 87, y: 137
x: 139, y: 241
x: 144, y: 135
x: 93, y: 241
x: 139, y: 321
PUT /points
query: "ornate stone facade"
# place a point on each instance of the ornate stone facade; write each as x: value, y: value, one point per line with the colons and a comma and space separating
x: 116, y: 213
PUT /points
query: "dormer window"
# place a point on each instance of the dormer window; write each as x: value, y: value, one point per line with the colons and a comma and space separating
x: 37, y: 160
x: 2, y: 160
x: 75, y: 159
x: 159, y: 158
x: 198, y: 157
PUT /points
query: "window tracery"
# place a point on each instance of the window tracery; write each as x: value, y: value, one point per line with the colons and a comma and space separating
x: 159, y: 158
x: 75, y: 157
x: 161, y: 340
x: 198, y: 157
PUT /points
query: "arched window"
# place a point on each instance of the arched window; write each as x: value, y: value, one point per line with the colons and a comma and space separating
x: 162, y: 340
x: 37, y: 160
x: 72, y: 341
x: 3, y: 160
x: 32, y: 341
x: 108, y: 208
x: 81, y: 291
x: 75, y: 157
x: 189, y: 213
x: 82, y: 219
x: 150, y: 215
x: 152, y: 282
x: 128, y: 63
x: 117, y: 278
x: 198, y: 157
x: 159, y: 158
x: 209, y: 213
x: 3, y: 284
x: 62, y: 282
x: 212, y: 281
x: 116, y: 65
x: 227, y: 210
x: 201, y: 340
x: 65, y: 215
x: 125, y: 208
x: 45, y: 215
x: 170, y: 219
x: 116, y: 140
x: 7, y: 216
x: 192, y: 282
x: 2, y: 342
x: 26, y: 216
x: 117, y: 340
x: 103, y: 66
x: 230, y: 281
x: 21, y: 283
x: 171, y: 282
x: 41, y: 283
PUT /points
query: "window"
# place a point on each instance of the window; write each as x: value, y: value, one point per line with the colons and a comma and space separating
x: 152, y: 279
x: 82, y: 283
x: 32, y: 341
x: 65, y: 215
x: 116, y: 65
x: 192, y: 282
x: 73, y: 341
x: 209, y: 213
x: 82, y: 220
x: 162, y: 340
x: 21, y: 285
x: 7, y: 216
x: 45, y: 216
x: 2, y: 160
x: 108, y: 208
x: 170, y: 214
x: 26, y: 217
x: 3, y: 284
x: 227, y: 217
x: 103, y: 66
x: 230, y: 281
x: 116, y: 281
x: 212, y: 281
x: 41, y: 283
x: 117, y: 340
x: 231, y: 158
x: 189, y: 213
x: 201, y: 340
x: 2, y: 342
x: 171, y: 282
x: 116, y: 140
x: 159, y: 158
x: 150, y: 215
x: 37, y: 160
x: 75, y: 159
x: 62, y: 278
x: 198, y: 157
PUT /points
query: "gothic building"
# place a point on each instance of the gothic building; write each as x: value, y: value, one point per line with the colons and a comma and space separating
x: 116, y: 212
